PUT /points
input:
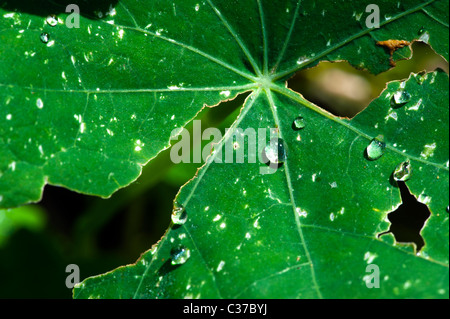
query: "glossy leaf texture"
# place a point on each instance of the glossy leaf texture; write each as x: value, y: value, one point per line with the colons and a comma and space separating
x: 94, y: 116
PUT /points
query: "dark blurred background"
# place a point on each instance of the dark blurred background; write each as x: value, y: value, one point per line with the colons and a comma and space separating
x: 37, y: 242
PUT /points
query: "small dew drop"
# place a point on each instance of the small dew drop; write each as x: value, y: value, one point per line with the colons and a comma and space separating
x: 376, y: 148
x: 401, y: 97
x: 179, y: 215
x: 424, y: 37
x: 299, y: 123
x: 275, y: 151
x: 403, y: 171
x: 302, y: 60
x: 180, y: 255
x: 51, y: 20
x: 45, y: 37
x: 420, y: 78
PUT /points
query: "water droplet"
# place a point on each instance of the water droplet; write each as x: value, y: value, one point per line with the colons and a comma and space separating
x: 403, y: 171
x: 420, y: 78
x: 179, y: 215
x: 52, y: 20
x: 299, y: 123
x: 302, y: 60
x: 424, y: 199
x: 180, y: 255
x: 99, y: 14
x: 45, y: 37
x: 401, y: 97
x: 275, y: 151
x: 376, y: 148
x: 422, y: 30
x: 424, y: 36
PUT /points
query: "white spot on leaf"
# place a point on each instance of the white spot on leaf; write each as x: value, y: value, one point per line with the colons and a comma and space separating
x: 39, y: 103
x: 369, y: 257
x: 220, y: 266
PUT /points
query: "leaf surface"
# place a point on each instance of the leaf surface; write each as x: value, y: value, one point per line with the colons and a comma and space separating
x: 94, y: 117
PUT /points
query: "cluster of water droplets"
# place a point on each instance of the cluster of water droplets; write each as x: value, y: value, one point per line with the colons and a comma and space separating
x: 275, y: 151
x: 52, y: 21
x: 376, y: 150
x: 179, y: 215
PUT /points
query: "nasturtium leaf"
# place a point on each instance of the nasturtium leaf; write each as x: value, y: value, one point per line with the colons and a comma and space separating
x: 87, y: 110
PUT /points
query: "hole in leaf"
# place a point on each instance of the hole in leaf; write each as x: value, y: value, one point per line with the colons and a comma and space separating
x: 345, y: 91
x: 408, y: 219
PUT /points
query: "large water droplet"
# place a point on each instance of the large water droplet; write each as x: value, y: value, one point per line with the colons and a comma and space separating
x: 51, y: 20
x: 45, y: 37
x: 403, y: 171
x: 401, y: 97
x: 180, y: 255
x: 275, y: 151
x: 376, y: 148
x: 299, y: 123
x: 179, y: 215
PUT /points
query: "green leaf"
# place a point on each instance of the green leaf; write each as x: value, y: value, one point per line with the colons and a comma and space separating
x: 307, y: 231
x: 92, y: 117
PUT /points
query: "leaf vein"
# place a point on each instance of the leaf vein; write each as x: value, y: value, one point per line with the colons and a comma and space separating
x: 348, y: 40
x: 237, y: 39
x: 291, y: 196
